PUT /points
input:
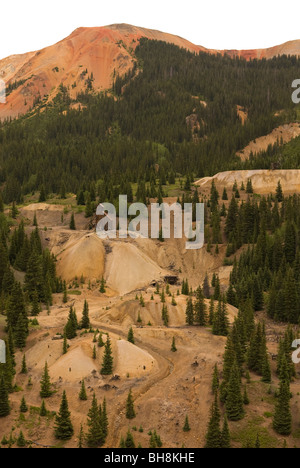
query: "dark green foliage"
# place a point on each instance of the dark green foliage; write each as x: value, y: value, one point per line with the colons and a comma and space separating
x: 72, y: 325
x: 4, y: 400
x: 225, y: 435
x: 95, y: 437
x: 45, y: 383
x: 282, y: 421
x: 23, y: 406
x: 186, y: 427
x: 21, y: 441
x: 43, y: 410
x: 85, y: 322
x: 189, y: 312
x: 63, y: 425
x: 173, y: 346
x: 213, y: 435
x: 130, y: 412
x: 107, y: 365
x: 216, y: 381
x: 234, y: 399
x: 165, y: 315
x: 130, y: 336
x: 200, y: 310
x: 82, y: 393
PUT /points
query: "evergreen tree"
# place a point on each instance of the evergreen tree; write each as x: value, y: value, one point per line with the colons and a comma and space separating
x: 189, y: 312
x: 85, y: 322
x: 23, y: 406
x: 100, y: 340
x: 45, y: 383
x: 165, y: 315
x: 186, y: 427
x: 80, y: 438
x: 21, y: 441
x: 63, y: 425
x: 82, y: 393
x: 173, y: 346
x: 43, y: 410
x: 95, y: 437
x: 24, y: 369
x: 200, y: 309
x: 130, y: 412
x: 130, y: 336
x: 213, y: 435
x: 282, y: 421
x: 225, y: 435
x: 4, y: 400
x: 104, y: 418
x: 129, y: 441
x: 72, y: 223
x: 279, y: 193
x: 107, y: 365
x: 234, y: 400
x: 216, y: 381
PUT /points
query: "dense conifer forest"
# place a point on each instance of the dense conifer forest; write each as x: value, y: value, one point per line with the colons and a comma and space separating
x: 122, y: 135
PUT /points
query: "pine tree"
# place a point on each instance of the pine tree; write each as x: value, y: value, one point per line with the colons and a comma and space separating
x: 234, y: 400
x: 72, y: 325
x: 213, y: 435
x: 130, y: 336
x: 65, y: 343
x: 23, y: 406
x: 129, y: 441
x: 189, y: 312
x: 43, y: 410
x: 216, y: 381
x: 4, y: 400
x: 186, y: 427
x: 21, y: 441
x: 80, y: 438
x: 279, y: 192
x: 63, y: 425
x: 165, y: 315
x: 72, y: 223
x: 225, y: 435
x: 102, y: 286
x: 130, y: 412
x: 100, y: 340
x: 85, y: 322
x: 200, y: 310
x: 107, y: 365
x: 246, y: 398
x: 173, y: 346
x: 82, y: 393
x: 45, y: 383
x: 21, y: 331
x: 104, y: 418
x: 95, y: 437
x: 94, y: 353
x: 24, y: 369
x: 282, y: 421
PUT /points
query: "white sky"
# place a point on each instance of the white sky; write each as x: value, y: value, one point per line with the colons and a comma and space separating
x: 27, y: 25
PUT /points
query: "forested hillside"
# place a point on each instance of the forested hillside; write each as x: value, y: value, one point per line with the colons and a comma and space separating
x: 176, y: 109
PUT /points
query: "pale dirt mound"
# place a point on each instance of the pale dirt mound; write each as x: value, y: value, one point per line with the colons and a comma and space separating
x: 127, y: 313
x: 284, y: 134
x: 133, y: 361
x: 75, y: 365
x: 128, y: 268
x: 82, y: 254
x: 46, y: 214
x: 263, y: 181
